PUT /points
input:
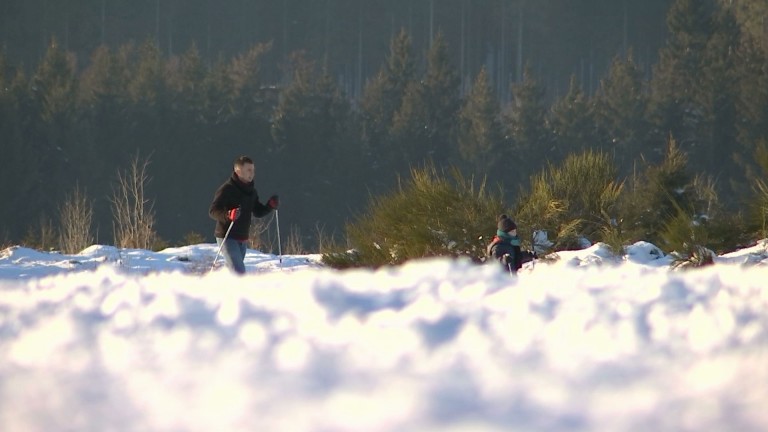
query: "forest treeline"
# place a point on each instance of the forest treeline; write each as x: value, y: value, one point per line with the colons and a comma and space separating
x: 558, y: 37
x: 67, y: 124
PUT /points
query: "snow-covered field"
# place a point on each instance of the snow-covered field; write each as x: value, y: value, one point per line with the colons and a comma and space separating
x: 141, y: 341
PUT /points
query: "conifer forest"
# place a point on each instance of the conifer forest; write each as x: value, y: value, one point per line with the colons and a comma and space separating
x: 338, y: 100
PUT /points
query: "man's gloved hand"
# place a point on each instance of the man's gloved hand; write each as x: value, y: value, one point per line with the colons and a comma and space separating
x: 233, y: 214
x: 273, y: 202
x: 507, y: 259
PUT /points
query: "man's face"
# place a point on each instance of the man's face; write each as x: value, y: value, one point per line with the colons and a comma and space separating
x: 245, y: 172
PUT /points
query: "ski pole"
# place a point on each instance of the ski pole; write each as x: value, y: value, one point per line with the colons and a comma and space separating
x: 533, y: 246
x: 222, y: 245
x: 279, y: 247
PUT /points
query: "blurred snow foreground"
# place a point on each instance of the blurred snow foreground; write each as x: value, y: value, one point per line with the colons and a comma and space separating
x: 111, y: 340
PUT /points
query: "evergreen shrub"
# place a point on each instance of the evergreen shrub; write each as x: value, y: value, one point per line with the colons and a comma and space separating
x: 575, y: 199
x: 758, y: 217
x: 432, y: 214
x: 693, y: 256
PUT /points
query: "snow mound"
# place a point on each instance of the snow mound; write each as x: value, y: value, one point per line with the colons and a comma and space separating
x: 431, y: 345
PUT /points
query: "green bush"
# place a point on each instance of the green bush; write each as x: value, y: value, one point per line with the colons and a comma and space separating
x: 758, y: 211
x: 575, y: 199
x: 614, y: 238
x: 680, y: 212
x: 682, y: 233
x: 342, y: 260
x: 430, y: 215
x: 656, y: 195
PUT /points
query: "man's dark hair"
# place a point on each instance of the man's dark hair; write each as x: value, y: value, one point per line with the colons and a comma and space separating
x: 242, y: 160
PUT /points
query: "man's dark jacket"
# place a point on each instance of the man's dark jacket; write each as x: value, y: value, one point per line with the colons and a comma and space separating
x: 234, y: 193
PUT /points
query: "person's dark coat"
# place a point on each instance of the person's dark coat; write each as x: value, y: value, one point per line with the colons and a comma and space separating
x: 505, y: 249
x: 232, y: 194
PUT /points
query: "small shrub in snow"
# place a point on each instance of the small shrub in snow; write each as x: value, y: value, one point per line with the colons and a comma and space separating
x: 693, y: 256
x: 574, y: 200
x: 429, y: 215
x: 132, y: 212
x: 75, y: 220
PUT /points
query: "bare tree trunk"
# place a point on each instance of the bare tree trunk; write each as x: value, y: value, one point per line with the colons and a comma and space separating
x: 285, y: 28
x: 431, y: 22
x: 502, y: 81
x: 626, y: 30
x: 359, y: 83
x: 103, y: 22
x: 327, y: 39
x: 157, y: 23
x: 170, y: 29
x: 462, y: 45
x: 520, y: 22
x: 66, y: 30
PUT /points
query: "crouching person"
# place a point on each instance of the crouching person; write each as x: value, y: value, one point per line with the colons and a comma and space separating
x: 505, y: 246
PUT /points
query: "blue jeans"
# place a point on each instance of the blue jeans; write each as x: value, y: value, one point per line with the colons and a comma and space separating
x: 234, y: 254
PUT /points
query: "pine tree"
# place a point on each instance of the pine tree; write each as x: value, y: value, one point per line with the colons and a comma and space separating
x: 17, y: 155
x: 751, y: 15
x: 185, y: 76
x: 6, y: 97
x: 101, y: 80
x: 50, y: 133
x: 309, y: 118
x: 147, y: 86
x: 55, y: 86
x: 657, y: 195
x: 382, y: 98
x: 424, y: 124
x: 409, y: 134
x: 250, y: 99
x: 186, y: 136
x: 572, y: 122
x: 4, y: 69
x: 531, y: 142
x: 621, y: 112
x: 103, y: 104
x: 124, y: 66
x: 218, y: 91
x: 752, y: 82
x: 310, y: 131
x: 718, y: 98
x: 674, y: 88
x: 481, y: 134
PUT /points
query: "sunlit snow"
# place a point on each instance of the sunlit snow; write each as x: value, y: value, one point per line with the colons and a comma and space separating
x: 132, y: 340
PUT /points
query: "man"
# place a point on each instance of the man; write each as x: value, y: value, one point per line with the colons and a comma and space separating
x: 233, y: 204
x: 505, y: 246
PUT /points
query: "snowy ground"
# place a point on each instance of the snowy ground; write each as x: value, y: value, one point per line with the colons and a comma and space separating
x: 143, y: 341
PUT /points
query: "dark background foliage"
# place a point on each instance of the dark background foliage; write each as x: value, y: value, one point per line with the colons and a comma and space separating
x: 335, y: 99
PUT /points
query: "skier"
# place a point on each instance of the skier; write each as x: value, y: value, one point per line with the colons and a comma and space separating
x: 232, y: 206
x: 505, y: 246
